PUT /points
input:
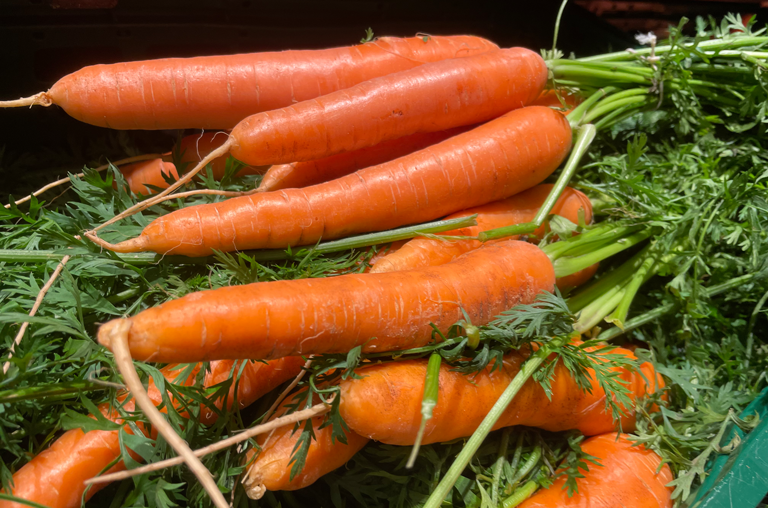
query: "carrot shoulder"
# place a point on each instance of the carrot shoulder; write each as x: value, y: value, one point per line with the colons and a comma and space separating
x: 627, y: 477
x: 491, y: 162
x: 385, y: 404
x: 270, y: 320
x: 216, y: 92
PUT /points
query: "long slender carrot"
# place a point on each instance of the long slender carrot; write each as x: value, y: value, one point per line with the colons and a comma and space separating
x: 216, y: 92
x: 626, y: 478
x: 303, y: 174
x: 271, y: 469
x: 312, y: 316
x: 385, y: 403
x: 55, y: 477
x: 491, y: 162
x: 520, y: 208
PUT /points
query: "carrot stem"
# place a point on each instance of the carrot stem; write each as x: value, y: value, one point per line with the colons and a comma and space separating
x: 711, y: 45
x: 473, y: 444
x: 612, y: 105
x: 14, y: 499
x: 428, y: 403
x: 569, y: 265
x: 499, y: 465
x: 584, y: 137
x: 48, y: 391
x: 39, y: 99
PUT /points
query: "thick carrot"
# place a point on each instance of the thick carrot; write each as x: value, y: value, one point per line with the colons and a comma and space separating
x: 626, y: 478
x: 55, y: 477
x: 303, y: 174
x: 270, y: 320
x: 152, y: 172
x: 520, y: 208
x: 429, y: 98
x: 271, y: 469
x: 385, y: 403
x: 491, y: 162
x: 216, y: 92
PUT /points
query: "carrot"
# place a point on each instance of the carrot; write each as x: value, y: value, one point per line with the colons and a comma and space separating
x: 626, y: 478
x: 152, y: 172
x: 303, y: 174
x: 491, y: 162
x: 195, y: 147
x: 271, y: 469
x: 385, y: 404
x: 216, y: 92
x: 268, y: 320
x: 520, y: 208
x: 55, y: 477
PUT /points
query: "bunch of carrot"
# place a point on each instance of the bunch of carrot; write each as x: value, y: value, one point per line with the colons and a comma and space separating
x: 386, y: 134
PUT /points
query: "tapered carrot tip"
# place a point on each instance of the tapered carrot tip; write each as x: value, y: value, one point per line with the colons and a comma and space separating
x: 138, y: 244
x: 39, y: 99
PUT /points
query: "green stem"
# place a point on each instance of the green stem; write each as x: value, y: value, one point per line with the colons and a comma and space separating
x: 646, y: 271
x: 579, y: 111
x: 584, y: 137
x: 595, y: 237
x: 428, y: 402
x: 579, y: 72
x: 520, y: 495
x: 569, y: 265
x: 529, y: 464
x: 473, y: 444
x: 14, y: 499
x: 602, y: 109
x: 617, y: 116
x: 499, y: 465
x: 711, y: 45
x: 46, y: 391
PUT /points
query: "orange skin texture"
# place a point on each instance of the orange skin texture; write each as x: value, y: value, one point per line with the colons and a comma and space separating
x: 382, y: 312
x: 627, y: 479
x: 55, y: 476
x: 518, y: 209
x: 491, y: 162
x: 303, y: 174
x: 429, y: 98
x: 385, y: 404
x: 257, y: 379
x: 140, y: 174
x: 216, y: 92
x: 271, y: 467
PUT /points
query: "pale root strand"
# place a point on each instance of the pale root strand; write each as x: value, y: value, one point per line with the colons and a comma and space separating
x: 39, y: 99
x: 119, y: 342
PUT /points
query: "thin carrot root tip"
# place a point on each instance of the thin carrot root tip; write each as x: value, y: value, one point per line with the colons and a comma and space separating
x: 138, y: 244
x: 39, y: 99
x: 106, y: 331
x: 254, y: 488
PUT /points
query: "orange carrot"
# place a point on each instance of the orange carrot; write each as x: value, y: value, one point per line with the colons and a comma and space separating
x: 429, y: 98
x: 152, y: 172
x: 271, y: 470
x: 626, y: 478
x: 216, y: 92
x: 55, y: 477
x: 270, y: 320
x: 303, y: 174
x: 491, y: 162
x: 385, y: 404
x: 195, y: 147
x: 520, y: 208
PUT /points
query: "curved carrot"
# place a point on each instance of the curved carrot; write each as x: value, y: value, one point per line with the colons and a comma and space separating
x: 195, y: 147
x: 55, y: 476
x: 152, y: 172
x: 303, y: 174
x: 385, y: 404
x: 626, y: 478
x: 491, y: 162
x: 520, y: 208
x: 432, y: 97
x: 216, y: 92
x: 312, y: 316
x: 271, y: 469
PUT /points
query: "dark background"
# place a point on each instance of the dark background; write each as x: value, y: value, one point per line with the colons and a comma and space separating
x: 42, y: 40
